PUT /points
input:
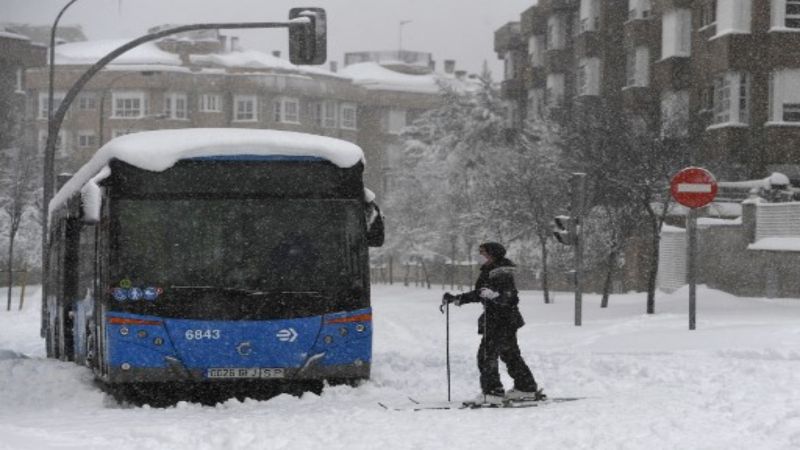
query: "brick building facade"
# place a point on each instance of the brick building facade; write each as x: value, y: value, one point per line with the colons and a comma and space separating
x: 206, y: 80
x: 724, y: 74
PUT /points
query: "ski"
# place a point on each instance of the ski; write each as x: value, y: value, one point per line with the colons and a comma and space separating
x: 424, y: 406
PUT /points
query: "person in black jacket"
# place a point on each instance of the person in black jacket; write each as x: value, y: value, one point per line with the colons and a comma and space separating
x: 498, y: 324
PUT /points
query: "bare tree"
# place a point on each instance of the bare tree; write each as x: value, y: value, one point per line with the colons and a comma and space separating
x: 15, y: 196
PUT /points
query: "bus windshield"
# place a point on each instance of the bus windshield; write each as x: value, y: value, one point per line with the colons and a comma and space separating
x: 257, y: 245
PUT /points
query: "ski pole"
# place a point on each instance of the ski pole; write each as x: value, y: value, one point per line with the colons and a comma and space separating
x: 447, y: 345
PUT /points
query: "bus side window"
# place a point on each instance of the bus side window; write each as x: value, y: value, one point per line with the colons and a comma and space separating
x: 86, y: 264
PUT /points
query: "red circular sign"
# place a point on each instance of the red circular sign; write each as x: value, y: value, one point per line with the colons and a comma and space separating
x: 694, y: 187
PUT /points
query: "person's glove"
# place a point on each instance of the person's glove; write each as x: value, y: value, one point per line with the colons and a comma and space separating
x: 488, y: 294
x: 449, y: 298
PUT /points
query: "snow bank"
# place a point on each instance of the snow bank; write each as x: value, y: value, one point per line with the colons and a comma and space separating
x: 778, y: 244
x: 159, y: 150
x: 89, y: 52
x: 649, y: 384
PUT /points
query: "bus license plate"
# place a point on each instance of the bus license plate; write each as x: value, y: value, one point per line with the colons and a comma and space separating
x: 246, y: 372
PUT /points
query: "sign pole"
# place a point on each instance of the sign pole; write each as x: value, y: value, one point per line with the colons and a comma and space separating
x: 579, y: 187
x: 691, y: 230
x: 693, y: 187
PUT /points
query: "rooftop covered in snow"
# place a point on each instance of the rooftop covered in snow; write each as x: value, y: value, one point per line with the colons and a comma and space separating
x: 374, y: 76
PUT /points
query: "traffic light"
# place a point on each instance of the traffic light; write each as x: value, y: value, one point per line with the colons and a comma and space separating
x: 308, y: 43
x: 565, y: 230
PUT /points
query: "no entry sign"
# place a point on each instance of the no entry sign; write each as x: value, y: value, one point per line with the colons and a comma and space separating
x: 693, y: 187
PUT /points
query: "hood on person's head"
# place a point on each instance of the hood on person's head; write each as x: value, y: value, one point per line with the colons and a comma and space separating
x: 493, y: 249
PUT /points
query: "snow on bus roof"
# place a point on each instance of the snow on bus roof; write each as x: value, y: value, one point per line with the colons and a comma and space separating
x: 159, y: 150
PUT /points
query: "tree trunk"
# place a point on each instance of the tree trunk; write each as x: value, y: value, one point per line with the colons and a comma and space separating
x: 612, y: 258
x: 425, y: 273
x: 652, y: 274
x: 545, y: 284
x: 10, y: 266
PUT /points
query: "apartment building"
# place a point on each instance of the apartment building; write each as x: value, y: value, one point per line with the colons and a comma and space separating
x: 17, y: 56
x: 204, y: 79
x: 724, y: 74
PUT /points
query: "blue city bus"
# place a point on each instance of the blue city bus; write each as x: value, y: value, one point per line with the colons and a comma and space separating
x: 213, y: 256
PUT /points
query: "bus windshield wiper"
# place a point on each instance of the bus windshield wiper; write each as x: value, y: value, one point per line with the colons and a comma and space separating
x: 224, y: 288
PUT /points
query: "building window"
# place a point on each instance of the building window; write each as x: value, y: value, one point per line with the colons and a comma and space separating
x: 329, y: 111
x: 348, y: 114
x: 536, y: 50
x: 732, y: 99
x: 87, y: 101
x: 117, y: 132
x: 675, y: 113
x: 638, y: 9
x: 394, y: 121
x: 588, y: 76
x: 245, y: 108
x: 175, y: 105
x: 708, y: 13
x: 784, y: 96
x: 57, y: 98
x: 509, y: 66
x: 286, y: 110
x: 792, y: 14
x: 676, y: 34
x: 589, y: 15
x: 554, y: 95
x: 210, y: 103
x: 556, y: 32
x: 128, y: 104
x: 637, y: 67
x: 87, y: 139
x: 785, y: 14
x: 20, y: 80
x: 734, y: 17
x: 536, y: 103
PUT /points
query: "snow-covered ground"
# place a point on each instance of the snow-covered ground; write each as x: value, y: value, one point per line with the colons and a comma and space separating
x: 649, y: 383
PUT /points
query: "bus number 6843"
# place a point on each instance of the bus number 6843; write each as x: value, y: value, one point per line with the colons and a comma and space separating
x: 196, y: 335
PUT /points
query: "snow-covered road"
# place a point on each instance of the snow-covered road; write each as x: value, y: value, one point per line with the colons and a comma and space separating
x: 734, y: 383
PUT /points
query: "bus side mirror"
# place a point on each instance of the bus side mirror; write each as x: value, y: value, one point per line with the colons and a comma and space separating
x: 308, y: 42
x: 375, y: 233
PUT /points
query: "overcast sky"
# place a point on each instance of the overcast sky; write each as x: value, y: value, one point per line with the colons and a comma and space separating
x: 450, y: 29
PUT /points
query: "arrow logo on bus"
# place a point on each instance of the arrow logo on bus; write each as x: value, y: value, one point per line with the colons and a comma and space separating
x: 287, y: 335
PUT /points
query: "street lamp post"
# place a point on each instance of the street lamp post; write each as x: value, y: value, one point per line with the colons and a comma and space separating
x: 47, y: 178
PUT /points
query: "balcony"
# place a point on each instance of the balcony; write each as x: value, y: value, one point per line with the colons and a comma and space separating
x: 588, y: 44
x: 782, y: 144
x: 559, y: 5
x: 640, y: 99
x: 732, y: 51
x: 533, y: 21
x: 534, y: 78
x: 642, y: 32
x: 513, y: 89
x: 674, y: 4
x: 559, y: 60
x: 673, y: 73
x: 508, y: 37
x: 733, y: 144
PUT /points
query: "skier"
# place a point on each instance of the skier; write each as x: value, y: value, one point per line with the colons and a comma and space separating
x: 498, y: 324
